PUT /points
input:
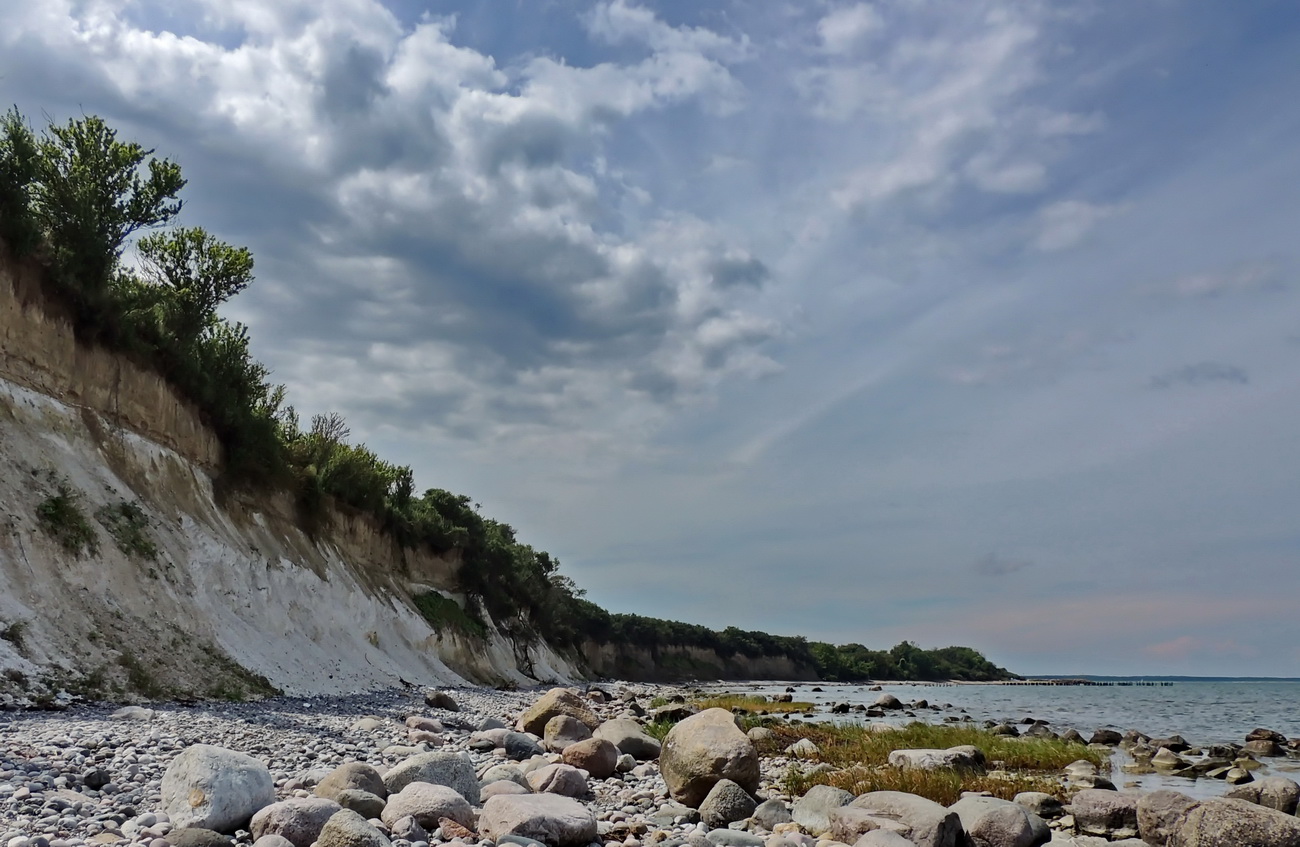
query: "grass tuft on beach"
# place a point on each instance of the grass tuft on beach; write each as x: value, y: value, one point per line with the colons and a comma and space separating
x: 752, y: 703
x: 860, y: 755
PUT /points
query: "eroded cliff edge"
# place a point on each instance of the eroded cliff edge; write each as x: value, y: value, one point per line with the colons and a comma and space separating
x: 238, y: 598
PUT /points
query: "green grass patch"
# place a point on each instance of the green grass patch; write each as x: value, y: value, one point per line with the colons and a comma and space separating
x: 62, y: 519
x: 752, y: 703
x: 942, y: 786
x: 444, y: 613
x: 13, y: 633
x: 861, y: 758
x: 128, y: 526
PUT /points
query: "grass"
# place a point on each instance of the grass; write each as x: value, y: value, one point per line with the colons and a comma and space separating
x: 128, y: 525
x: 13, y: 633
x: 445, y: 613
x: 752, y: 703
x: 61, y: 517
x: 139, y: 677
x: 860, y: 758
x: 942, y: 786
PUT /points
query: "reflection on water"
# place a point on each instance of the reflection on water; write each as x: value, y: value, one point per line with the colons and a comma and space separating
x: 1201, y: 712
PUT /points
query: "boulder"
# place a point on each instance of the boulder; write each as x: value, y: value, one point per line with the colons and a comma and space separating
x: 1265, y: 735
x: 520, y: 746
x: 1263, y: 747
x: 563, y: 730
x: 887, y: 701
x: 804, y: 748
x: 770, y: 813
x: 596, y: 756
x: 882, y: 838
x: 440, y: 700
x: 454, y: 770
x: 408, y: 829
x: 356, y: 776
x: 557, y: 701
x: 704, y: 749
x: 1040, y: 803
x: 812, y: 811
x: 298, y: 820
x: 964, y: 757
x: 428, y: 803
x: 1109, y: 737
x: 362, y: 802
x: 992, y: 822
x: 927, y: 823
x: 1160, y: 813
x: 272, y: 841
x: 1107, y: 813
x: 348, y: 829
x: 759, y: 733
x: 564, y: 780
x: 726, y: 802
x: 423, y: 724
x: 848, y: 824
x: 197, y: 836
x: 502, y: 786
x: 215, y: 788
x: 555, y: 821
x: 1272, y: 792
x: 1227, y: 822
x: 629, y: 737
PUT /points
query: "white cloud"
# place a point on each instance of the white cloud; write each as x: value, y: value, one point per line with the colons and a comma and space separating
x: 1065, y: 223
x: 843, y: 28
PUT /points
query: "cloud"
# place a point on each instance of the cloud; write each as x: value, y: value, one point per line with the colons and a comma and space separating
x: 841, y: 29
x: 1240, y: 279
x: 1201, y: 373
x: 1066, y: 223
x: 995, y: 565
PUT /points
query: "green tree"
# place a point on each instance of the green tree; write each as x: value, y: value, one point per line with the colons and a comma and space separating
x: 200, y: 273
x: 17, y: 173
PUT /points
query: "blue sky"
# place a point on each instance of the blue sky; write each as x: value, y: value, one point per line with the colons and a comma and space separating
x: 961, y: 322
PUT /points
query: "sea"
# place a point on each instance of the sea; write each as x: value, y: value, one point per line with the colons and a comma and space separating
x: 1202, y: 710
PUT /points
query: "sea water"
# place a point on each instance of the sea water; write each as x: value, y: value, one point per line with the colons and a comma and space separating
x: 1203, y: 711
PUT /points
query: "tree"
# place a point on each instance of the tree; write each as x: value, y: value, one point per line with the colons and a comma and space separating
x: 89, y: 192
x: 17, y: 172
x: 200, y: 271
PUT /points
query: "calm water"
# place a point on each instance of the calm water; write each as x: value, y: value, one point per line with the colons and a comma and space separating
x: 1203, y: 712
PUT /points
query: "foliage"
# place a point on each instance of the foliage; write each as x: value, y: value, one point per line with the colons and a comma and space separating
x: 752, y: 703
x: 904, y: 662
x: 860, y: 756
x: 444, y: 613
x: 13, y: 633
x: 61, y: 517
x: 128, y: 526
x: 17, y: 173
x: 140, y: 679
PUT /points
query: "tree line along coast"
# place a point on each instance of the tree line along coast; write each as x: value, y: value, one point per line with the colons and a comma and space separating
x: 74, y: 197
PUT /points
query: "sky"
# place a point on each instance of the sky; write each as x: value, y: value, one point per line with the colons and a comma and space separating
x: 961, y: 322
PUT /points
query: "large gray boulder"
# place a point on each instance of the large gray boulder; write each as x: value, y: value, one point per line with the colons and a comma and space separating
x: 1272, y: 792
x: 428, y: 803
x: 1106, y: 813
x: 215, y: 788
x: 348, y: 829
x: 299, y: 821
x: 1227, y: 822
x: 629, y: 737
x: 813, y: 810
x: 848, y: 824
x: 549, y: 818
x: 769, y: 813
x: 882, y: 838
x: 993, y: 822
x: 1160, y: 813
x: 704, y: 749
x: 454, y: 770
x: 963, y: 757
x: 726, y: 802
x: 557, y: 701
x: 353, y: 776
x: 927, y: 823
x: 362, y: 802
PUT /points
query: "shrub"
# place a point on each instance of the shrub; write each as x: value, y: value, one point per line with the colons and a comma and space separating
x: 443, y: 613
x: 61, y: 517
x: 128, y: 526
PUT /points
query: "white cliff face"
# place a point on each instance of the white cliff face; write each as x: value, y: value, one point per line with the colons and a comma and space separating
x: 237, y: 589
